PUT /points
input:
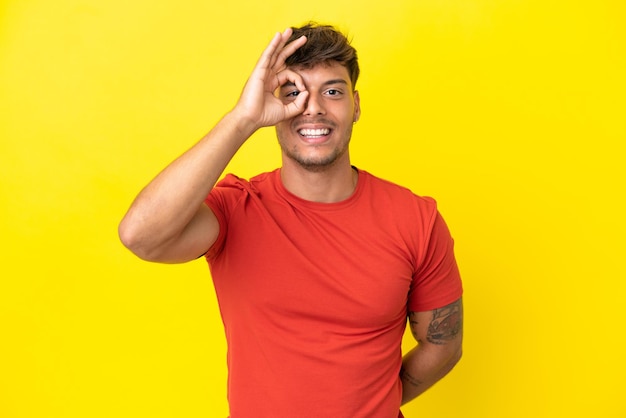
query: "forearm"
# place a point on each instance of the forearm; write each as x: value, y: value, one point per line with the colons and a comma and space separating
x: 424, y: 366
x: 169, y: 202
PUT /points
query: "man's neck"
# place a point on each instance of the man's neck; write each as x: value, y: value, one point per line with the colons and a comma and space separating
x: 330, y: 185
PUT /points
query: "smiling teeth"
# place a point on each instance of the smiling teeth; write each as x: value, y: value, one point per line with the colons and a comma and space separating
x: 314, y: 132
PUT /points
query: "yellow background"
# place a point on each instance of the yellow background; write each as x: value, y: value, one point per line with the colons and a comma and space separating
x: 511, y: 113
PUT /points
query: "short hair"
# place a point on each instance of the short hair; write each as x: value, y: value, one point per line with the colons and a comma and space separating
x: 324, y: 44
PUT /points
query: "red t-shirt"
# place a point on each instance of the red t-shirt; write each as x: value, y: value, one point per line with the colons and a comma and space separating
x: 314, y: 296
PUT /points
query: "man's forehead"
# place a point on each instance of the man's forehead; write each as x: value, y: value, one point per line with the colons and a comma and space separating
x: 323, y: 73
x: 320, y: 66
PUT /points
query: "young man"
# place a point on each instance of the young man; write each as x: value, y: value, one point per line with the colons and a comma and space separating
x: 316, y: 265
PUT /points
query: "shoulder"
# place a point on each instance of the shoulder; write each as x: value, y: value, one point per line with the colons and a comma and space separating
x: 398, y: 208
x: 232, y: 181
x: 385, y: 191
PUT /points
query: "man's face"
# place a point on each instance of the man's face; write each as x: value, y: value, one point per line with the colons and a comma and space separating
x: 319, y: 136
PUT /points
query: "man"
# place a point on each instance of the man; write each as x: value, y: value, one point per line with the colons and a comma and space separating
x: 316, y: 265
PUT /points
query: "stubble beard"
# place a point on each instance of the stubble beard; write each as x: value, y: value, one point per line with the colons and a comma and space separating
x: 317, y: 163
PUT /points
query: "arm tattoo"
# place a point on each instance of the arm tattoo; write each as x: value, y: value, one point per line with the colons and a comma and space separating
x: 446, y: 324
x: 406, y: 377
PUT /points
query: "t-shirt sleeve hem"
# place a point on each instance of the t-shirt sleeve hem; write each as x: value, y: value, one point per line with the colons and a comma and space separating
x: 436, y: 304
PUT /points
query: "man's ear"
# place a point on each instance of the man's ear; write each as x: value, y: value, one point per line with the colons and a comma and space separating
x: 357, y: 107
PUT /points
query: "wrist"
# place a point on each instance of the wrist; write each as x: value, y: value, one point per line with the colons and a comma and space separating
x: 242, y: 122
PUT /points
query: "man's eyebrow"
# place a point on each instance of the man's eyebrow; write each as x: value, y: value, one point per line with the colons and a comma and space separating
x: 335, y: 81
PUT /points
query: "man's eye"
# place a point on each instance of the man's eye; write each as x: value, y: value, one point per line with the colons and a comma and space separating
x: 293, y: 93
x: 333, y: 92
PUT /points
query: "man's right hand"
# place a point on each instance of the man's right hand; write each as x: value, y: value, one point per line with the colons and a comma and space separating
x: 258, y: 104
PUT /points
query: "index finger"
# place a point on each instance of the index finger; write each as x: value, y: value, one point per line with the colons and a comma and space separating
x: 269, y: 57
x: 266, y: 58
x: 288, y: 50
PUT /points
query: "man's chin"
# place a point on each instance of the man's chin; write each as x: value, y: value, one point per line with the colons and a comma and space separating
x: 315, y: 165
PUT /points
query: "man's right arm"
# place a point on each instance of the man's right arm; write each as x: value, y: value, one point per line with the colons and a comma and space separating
x: 168, y: 222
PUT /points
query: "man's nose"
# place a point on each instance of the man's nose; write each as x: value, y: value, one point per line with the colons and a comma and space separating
x: 314, y: 106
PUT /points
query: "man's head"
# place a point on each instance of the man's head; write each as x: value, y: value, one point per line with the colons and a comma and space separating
x: 317, y: 139
x: 324, y: 45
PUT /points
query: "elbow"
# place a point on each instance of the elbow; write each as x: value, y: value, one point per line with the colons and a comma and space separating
x: 457, y: 356
x: 454, y: 357
x: 131, y: 237
x: 128, y: 234
x: 450, y: 356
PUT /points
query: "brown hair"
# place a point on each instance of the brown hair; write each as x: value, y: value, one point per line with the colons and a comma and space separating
x: 324, y: 44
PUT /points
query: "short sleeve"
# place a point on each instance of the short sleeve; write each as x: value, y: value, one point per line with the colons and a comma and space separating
x: 222, y: 200
x: 436, y: 281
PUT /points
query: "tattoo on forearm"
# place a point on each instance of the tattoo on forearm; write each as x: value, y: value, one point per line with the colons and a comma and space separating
x: 406, y: 377
x: 446, y: 324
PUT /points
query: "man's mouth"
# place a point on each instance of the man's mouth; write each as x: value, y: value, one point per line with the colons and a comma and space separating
x: 314, y: 133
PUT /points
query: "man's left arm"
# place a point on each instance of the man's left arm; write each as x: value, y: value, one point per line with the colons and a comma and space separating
x: 439, y: 334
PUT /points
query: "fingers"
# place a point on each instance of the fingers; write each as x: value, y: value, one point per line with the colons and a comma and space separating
x: 287, y: 76
x: 286, y: 51
x: 278, y: 50
x: 268, y: 57
x: 271, y: 73
x: 295, y: 104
